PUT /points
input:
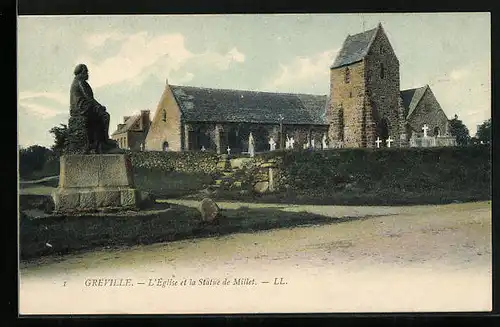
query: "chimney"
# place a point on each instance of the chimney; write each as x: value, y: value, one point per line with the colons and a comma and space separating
x: 145, y: 119
x: 125, y: 119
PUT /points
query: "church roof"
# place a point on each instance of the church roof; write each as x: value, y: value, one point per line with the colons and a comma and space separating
x: 127, y: 125
x: 411, y: 98
x: 355, y: 48
x: 223, y: 105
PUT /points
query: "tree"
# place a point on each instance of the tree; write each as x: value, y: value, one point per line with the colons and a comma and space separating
x: 460, y: 131
x: 483, y: 133
x: 32, y: 159
x: 60, y: 138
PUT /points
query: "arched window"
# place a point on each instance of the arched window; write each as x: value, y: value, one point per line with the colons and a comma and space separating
x: 437, y: 132
x: 347, y: 75
x: 164, y: 115
x: 165, y: 146
x: 382, y: 71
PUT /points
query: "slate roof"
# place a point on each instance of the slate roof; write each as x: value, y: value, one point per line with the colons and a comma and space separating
x: 222, y: 105
x: 127, y: 125
x: 411, y: 98
x: 355, y: 48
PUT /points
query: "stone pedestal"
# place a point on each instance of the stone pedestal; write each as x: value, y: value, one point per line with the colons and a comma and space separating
x: 95, y: 181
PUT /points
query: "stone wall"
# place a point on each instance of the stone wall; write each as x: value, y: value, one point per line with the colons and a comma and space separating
x: 346, y: 105
x: 382, y: 91
x: 428, y: 111
x: 169, y: 130
x: 187, y: 162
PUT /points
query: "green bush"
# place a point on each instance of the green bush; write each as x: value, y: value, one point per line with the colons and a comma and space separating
x: 405, y: 169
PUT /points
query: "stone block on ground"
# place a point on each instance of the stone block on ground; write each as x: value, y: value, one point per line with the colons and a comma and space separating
x: 209, y: 210
x: 261, y: 187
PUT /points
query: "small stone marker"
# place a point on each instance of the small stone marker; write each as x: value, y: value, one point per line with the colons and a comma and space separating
x: 251, y: 145
x: 272, y: 144
x: 209, y: 210
x: 312, y: 143
x: 425, y: 128
x: 203, y: 148
x: 323, y: 142
x: 378, y: 141
x: 389, y: 141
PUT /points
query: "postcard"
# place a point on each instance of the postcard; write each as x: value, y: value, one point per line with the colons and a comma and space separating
x: 256, y: 163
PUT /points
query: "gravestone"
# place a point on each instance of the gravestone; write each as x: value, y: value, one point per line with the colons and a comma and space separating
x: 378, y: 141
x: 323, y: 142
x: 425, y: 128
x: 251, y: 145
x: 389, y: 141
x: 272, y: 144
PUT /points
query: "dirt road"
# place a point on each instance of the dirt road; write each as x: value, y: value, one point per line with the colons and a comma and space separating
x: 421, y: 258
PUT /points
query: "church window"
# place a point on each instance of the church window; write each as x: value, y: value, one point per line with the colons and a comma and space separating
x: 350, y: 94
x: 164, y: 115
x: 436, y: 131
x: 382, y: 71
x: 347, y: 75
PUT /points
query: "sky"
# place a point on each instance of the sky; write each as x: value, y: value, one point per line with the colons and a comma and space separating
x: 130, y: 58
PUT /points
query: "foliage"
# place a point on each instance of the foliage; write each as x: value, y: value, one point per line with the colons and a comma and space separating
x: 460, y: 131
x: 399, y: 170
x: 60, y: 138
x: 33, y: 158
x: 484, y: 132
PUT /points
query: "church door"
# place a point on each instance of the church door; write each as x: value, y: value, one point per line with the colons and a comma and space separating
x: 383, y: 131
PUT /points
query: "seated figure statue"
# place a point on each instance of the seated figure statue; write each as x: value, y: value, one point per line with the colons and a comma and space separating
x: 89, y: 122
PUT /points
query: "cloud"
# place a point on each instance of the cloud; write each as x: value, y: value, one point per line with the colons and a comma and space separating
x: 97, y: 40
x: 56, y: 96
x: 35, y: 103
x: 141, y: 55
x: 41, y: 111
x: 304, y: 74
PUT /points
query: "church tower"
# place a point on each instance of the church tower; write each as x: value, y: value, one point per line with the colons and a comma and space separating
x: 365, y: 100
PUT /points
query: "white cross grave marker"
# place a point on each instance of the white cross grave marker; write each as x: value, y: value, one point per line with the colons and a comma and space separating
x: 272, y: 144
x: 389, y: 141
x: 203, y: 148
x: 291, y: 142
x: 425, y: 128
x: 378, y: 141
x: 312, y: 143
x: 323, y: 142
x: 228, y: 150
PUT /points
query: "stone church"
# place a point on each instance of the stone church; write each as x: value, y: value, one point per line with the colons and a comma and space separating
x: 365, y: 105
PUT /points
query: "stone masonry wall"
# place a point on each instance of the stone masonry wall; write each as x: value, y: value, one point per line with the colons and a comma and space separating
x: 428, y: 112
x: 348, y: 98
x: 165, y: 131
x: 382, y: 91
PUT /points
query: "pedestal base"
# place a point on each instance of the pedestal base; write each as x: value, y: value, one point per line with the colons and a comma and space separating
x: 93, y: 182
x: 91, y: 199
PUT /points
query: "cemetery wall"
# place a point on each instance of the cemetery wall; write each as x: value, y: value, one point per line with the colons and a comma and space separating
x: 407, y: 169
x: 185, y: 161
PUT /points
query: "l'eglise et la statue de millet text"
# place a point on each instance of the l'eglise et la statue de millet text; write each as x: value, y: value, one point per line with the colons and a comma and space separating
x: 226, y: 281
